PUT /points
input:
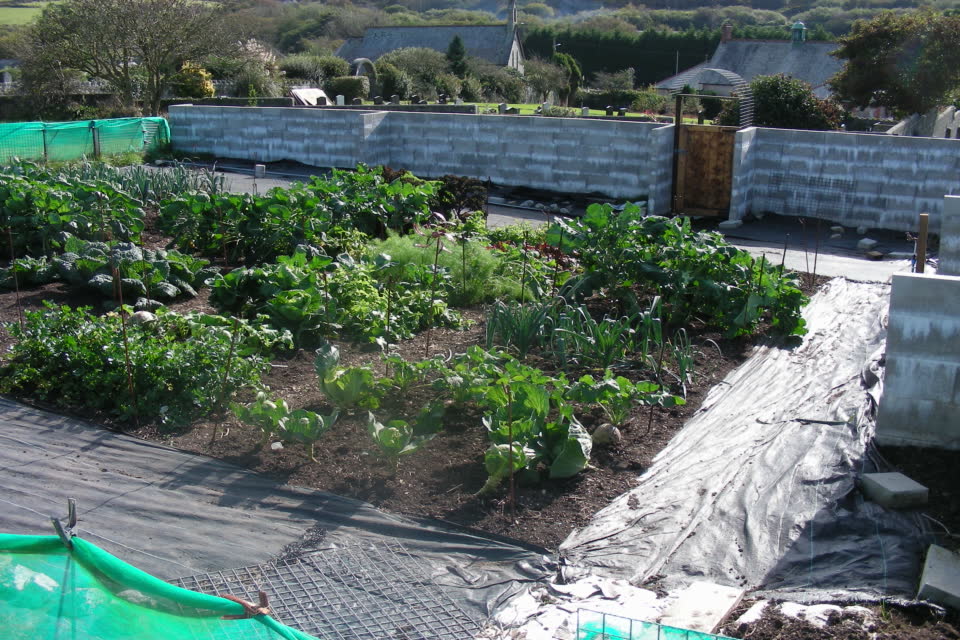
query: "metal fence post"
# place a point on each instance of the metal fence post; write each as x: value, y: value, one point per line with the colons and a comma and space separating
x: 95, y: 137
x: 43, y: 136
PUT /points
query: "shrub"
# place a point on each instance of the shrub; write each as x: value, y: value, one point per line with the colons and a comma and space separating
x: 194, y: 81
x: 302, y: 66
x: 472, y: 90
x: 393, y: 81
x: 350, y: 87
x: 637, y: 100
x: 787, y: 103
x: 331, y: 67
x: 498, y: 83
x: 648, y: 100
x: 449, y: 84
x: 423, y: 67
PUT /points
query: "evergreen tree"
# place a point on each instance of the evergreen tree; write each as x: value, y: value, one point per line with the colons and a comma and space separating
x: 457, y: 57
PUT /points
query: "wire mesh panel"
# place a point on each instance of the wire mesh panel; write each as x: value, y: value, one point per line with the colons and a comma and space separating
x: 595, y: 625
x: 373, y: 591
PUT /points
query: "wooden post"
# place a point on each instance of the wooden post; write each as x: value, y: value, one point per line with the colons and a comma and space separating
x: 95, y: 136
x: 43, y: 136
x: 922, y: 243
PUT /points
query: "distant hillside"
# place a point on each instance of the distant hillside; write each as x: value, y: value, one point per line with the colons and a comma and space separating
x: 19, y: 12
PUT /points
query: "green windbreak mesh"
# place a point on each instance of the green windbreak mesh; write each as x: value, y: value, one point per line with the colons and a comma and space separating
x: 64, y: 141
x: 48, y: 591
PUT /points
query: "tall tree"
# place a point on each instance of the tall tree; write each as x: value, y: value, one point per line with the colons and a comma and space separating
x: 457, y: 57
x: 543, y: 77
x: 782, y: 102
x: 137, y: 46
x: 906, y: 62
x: 574, y: 76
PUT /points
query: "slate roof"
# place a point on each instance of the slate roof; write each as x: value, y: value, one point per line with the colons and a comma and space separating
x: 487, y: 42
x: 807, y: 61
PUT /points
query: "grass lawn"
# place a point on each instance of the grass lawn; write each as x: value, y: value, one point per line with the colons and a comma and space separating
x: 529, y: 109
x: 20, y: 12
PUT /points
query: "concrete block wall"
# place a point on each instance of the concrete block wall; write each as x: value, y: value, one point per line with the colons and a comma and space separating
x: 853, y: 179
x: 920, y: 405
x: 743, y: 172
x: 616, y: 159
x: 950, y: 237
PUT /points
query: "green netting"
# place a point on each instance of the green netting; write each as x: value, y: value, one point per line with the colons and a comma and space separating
x: 595, y: 625
x: 64, y: 141
x: 48, y: 591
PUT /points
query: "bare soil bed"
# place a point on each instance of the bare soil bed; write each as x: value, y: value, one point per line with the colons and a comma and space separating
x: 886, y: 623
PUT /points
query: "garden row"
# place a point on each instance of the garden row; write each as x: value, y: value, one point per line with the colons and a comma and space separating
x: 589, y: 312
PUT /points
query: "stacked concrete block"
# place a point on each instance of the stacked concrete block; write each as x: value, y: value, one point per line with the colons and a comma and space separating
x: 620, y: 159
x: 940, y: 580
x: 921, y: 397
x: 743, y: 173
x: 894, y: 490
x: 853, y: 179
x: 950, y: 237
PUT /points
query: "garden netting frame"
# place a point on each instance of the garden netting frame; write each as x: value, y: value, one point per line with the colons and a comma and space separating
x: 51, y: 590
x: 66, y: 141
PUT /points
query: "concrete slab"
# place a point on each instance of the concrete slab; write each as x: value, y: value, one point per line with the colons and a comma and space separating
x: 702, y: 606
x: 940, y: 581
x: 894, y: 490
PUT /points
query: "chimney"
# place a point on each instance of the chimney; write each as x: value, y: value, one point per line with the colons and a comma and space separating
x: 726, y: 32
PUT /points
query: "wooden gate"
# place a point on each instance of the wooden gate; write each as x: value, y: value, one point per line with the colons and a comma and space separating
x: 703, y: 177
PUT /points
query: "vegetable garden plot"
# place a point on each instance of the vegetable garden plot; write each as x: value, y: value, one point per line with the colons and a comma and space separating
x: 591, y: 323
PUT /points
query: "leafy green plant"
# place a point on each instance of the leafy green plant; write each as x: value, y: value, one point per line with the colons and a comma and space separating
x: 477, y: 273
x: 618, y: 396
x: 316, y: 297
x: 344, y: 388
x: 321, y: 213
x: 29, y: 272
x: 502, y: 461
x: 74, y: 359
x: 149, y: 185
x: 143, y: 274
x: 253, y: 337
x: 629, y: 256
x: 40, y: 216
x: 519, y: 326
x: 306, y: 428
x: 263, y: 413
x: 594, y: 343
x: 274, y: 418
x: 395, y: 438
